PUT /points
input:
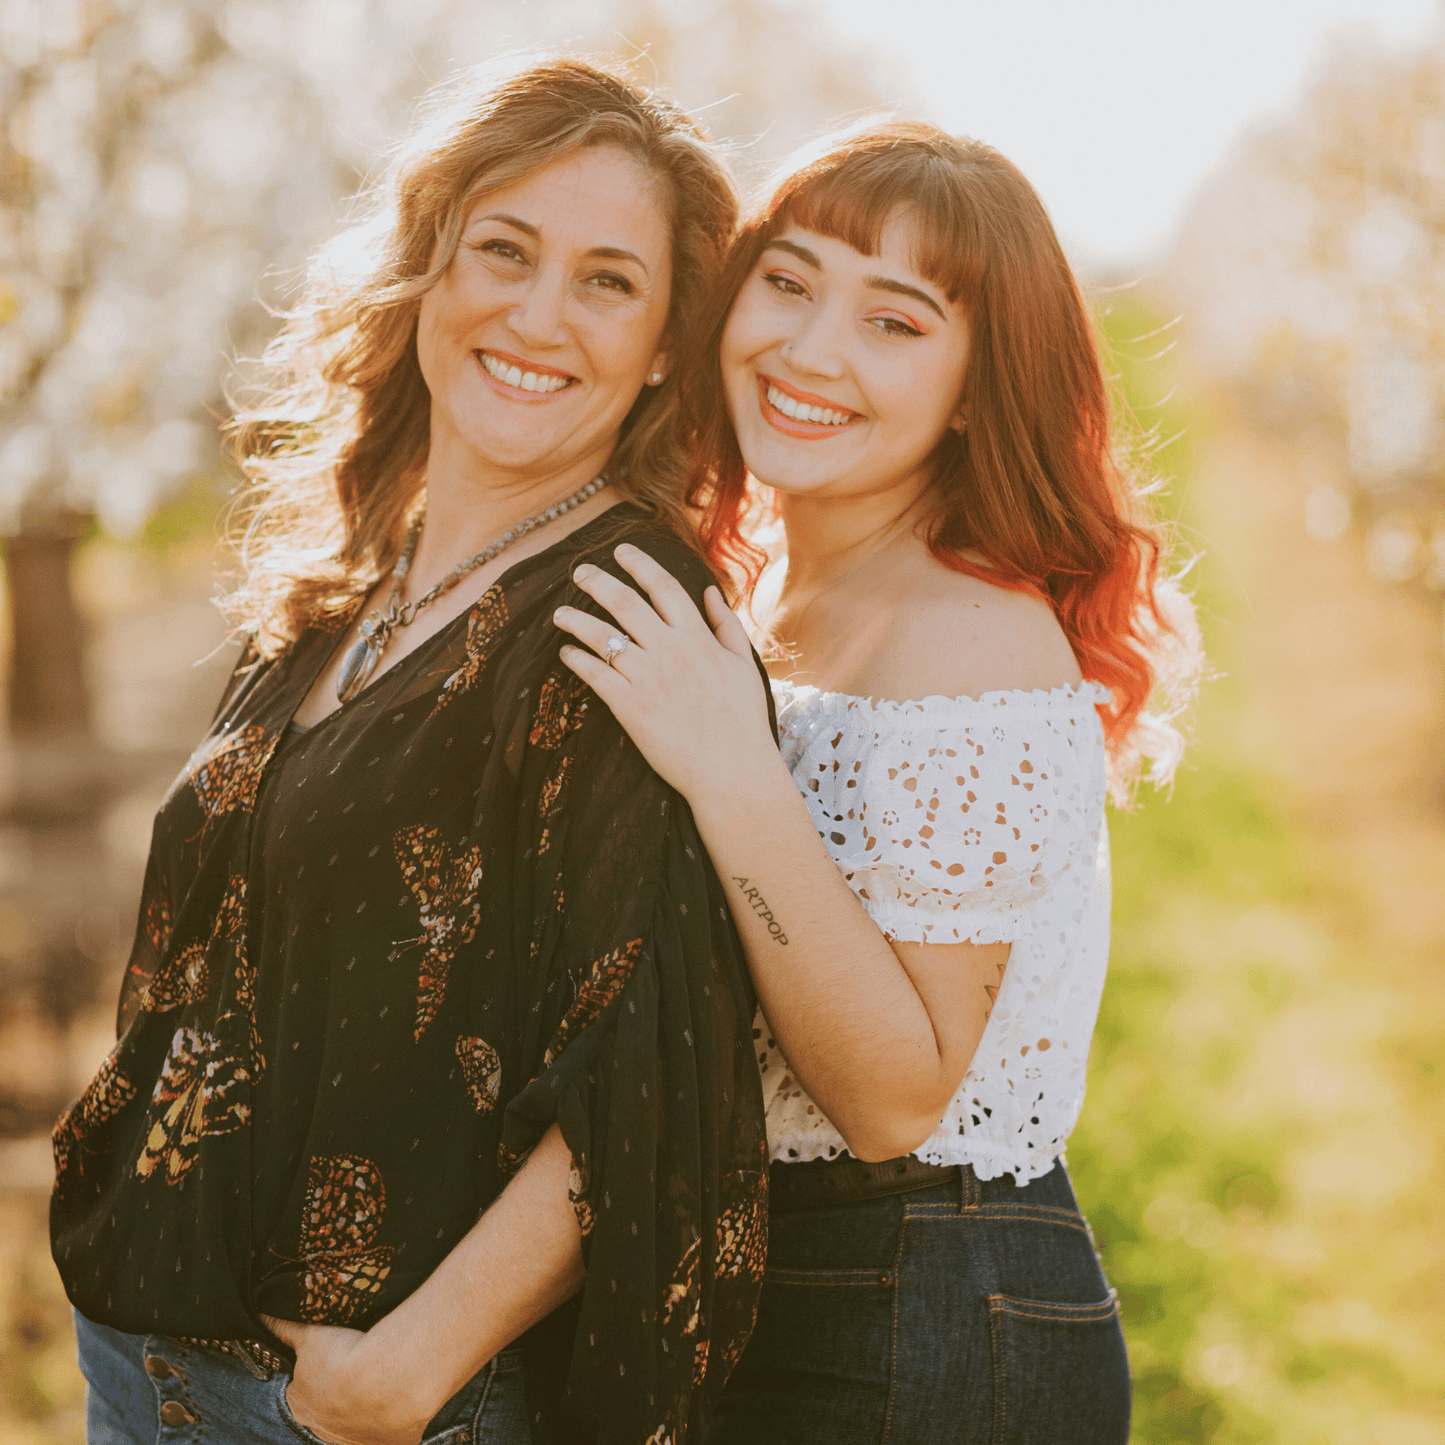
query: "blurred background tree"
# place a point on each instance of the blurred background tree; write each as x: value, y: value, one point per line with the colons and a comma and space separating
x: 158, y: 156
x: 1312, y: 271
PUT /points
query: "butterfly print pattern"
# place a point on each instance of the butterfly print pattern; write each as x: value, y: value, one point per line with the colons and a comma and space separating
x: 226, y: 772
x: 155, y: 924
x: 205, y: 1083
x: 561, y: 708
x: 200, y: 1091
x: 446, y: 893
x: 485, y: 625
x: 683, y: 1298
x: 606, y: 980
x: 682, y: 1292
x: 186, y: 975
x: 742, y: 1235
x: 107, y: 1094
x: 577, y: 1197
x: 548, y: 799
x: 181, y: 979
x: 340, y: 1222
x: 482, y: 1070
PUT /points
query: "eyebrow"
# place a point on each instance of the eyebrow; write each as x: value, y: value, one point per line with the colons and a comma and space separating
x: 612, y: 253
x: 876, y: 283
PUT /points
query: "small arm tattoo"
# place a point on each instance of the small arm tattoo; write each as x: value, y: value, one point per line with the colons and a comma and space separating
x: 760, y: 907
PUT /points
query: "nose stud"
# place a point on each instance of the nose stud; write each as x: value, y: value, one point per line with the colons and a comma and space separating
x: 654, y: 379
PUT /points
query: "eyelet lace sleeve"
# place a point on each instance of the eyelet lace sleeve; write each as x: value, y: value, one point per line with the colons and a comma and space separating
x: 950, y: 817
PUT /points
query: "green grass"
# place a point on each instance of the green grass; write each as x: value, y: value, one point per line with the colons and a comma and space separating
x: 1243, y: 1056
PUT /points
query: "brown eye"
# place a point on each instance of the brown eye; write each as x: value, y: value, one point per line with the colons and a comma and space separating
x: 506, y: 250
x: 611, y: 281
x: 894, y: 326
x: 787, y: 285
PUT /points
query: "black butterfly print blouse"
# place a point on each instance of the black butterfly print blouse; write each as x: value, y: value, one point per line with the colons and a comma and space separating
x: 375, y: 961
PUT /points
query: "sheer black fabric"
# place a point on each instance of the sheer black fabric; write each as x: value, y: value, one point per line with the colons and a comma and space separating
x: 375, y: 961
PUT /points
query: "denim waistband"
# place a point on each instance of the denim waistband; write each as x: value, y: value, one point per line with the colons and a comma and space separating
x: 827, y: 1183
x: 821, y: 1183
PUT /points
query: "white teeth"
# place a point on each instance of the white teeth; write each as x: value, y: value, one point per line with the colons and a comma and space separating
x: 803, y: 412
x: 523, y: 381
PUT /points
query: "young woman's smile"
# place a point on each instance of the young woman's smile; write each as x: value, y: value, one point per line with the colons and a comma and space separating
x: 842, y: 371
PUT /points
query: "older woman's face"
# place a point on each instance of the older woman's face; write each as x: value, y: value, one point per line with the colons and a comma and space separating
x: 549, y: 320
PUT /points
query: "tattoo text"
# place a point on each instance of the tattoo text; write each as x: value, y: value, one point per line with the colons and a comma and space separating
x: 760, y: 907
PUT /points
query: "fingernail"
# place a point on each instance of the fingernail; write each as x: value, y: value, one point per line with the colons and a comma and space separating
x: 623, y: 547
x: 557, y: 615
x: 583, y: 572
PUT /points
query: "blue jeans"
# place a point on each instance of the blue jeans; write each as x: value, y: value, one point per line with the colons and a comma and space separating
x: 971, y: 1313
x: 150, y: 1390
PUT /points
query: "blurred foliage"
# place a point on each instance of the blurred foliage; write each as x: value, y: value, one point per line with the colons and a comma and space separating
x: 1313, y: 270
x: 157, y: 156
x: 1248, y: 1298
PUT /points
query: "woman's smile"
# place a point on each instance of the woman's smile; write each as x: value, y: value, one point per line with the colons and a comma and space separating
x: 520, y: 379
x: 802, y: 414
x: 547, y: 322
x: 868, y: 327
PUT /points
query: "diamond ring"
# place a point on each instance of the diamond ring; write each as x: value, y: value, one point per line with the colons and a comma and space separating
x: 616, y: 646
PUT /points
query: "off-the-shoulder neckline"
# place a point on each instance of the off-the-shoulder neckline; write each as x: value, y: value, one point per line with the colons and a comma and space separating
x: 1069, y: 693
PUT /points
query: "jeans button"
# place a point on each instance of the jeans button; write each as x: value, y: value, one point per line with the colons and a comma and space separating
x: 157, y: 1368
x: 175, y: 1413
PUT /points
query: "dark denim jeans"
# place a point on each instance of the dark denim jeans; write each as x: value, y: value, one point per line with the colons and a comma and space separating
x: 149, y: 1390
x: 963, y: 1314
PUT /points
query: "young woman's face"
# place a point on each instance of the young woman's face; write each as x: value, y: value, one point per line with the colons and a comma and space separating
x: 842, y: 371
x: 549, y: 320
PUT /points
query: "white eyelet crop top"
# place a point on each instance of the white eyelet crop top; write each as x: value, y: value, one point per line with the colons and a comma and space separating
x: 967, y: 820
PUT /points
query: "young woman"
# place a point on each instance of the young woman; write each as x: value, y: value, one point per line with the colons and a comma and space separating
x: 965, y: 625
x: 435, y: 1035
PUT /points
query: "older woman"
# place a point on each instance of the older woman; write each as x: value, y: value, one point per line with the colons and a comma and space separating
x: 436, y: 1033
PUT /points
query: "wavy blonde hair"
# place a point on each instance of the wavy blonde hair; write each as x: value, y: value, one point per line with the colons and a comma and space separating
x: 333, y: 436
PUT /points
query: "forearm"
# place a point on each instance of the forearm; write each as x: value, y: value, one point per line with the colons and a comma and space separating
x: 842, y: 1007
x: 520, y: 1260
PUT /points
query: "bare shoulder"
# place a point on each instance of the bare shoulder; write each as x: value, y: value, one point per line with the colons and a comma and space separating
x: 957, y: 636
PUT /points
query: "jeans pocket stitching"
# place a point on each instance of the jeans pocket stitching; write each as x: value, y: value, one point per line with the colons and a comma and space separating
x: 1055, y: 1310
x: 464, y: 1431
x: 289, y: 1420
x: 1048, y: 1311
x: 822, y: 1277
x: 483, y: 1396
x: 1036, y: 1213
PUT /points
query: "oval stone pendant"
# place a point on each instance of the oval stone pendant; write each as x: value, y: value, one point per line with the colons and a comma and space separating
x: 357, y: 667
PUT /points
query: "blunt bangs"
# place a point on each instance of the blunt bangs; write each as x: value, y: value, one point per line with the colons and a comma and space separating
x: 853, y: 201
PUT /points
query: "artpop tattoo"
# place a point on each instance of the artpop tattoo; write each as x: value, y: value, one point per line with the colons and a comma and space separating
x: 760, y: 907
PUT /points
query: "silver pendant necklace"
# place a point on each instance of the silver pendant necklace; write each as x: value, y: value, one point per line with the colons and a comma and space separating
x: 361, y: 657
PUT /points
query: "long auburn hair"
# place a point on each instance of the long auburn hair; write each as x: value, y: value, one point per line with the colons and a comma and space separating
x: 1034, y: 495
x: 334, y: 434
